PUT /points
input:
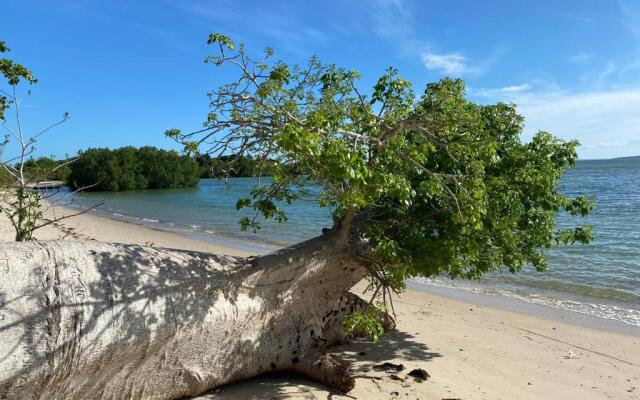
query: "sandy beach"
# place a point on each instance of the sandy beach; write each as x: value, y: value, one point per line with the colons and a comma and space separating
x: 92, y: 227
x: 470, y: 351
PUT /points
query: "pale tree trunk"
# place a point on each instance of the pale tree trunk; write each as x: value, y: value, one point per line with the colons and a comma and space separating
x: 90, y: 320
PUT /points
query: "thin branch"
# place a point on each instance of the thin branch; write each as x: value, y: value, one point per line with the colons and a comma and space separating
x: 64, y: 164
x: 62, y: 121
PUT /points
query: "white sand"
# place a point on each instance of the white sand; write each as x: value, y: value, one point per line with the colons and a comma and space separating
x: 470, y: 351
x: 92, y: 227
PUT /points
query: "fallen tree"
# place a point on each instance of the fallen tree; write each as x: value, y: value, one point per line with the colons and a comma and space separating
x: 417, y: 186
x: 89, y: 320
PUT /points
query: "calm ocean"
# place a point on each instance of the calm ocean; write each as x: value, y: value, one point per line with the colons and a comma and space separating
x: 600, y: 279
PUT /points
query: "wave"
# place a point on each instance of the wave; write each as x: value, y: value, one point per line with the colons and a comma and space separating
x: 592, y: 290
x: 622, y: 312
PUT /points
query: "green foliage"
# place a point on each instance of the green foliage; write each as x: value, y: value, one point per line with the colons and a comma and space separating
x: 25, y: 213
x: 222, y: 40
x: 5, y: 178
x: 366, y: 323
x: 13, y: 73
x: 438, y: 184
x: 232, y: 166
x: 46, y: 169
x: 128, y: 168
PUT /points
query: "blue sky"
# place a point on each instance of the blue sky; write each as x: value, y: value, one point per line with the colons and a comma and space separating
x: 128, y: 70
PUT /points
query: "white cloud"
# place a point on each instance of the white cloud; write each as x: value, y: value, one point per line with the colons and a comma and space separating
x: 606, y: 123
x: 455, y: 64
x: 452, y: 64
x: 393, y: 20
x: 516, y: 88
x: 490, y: 93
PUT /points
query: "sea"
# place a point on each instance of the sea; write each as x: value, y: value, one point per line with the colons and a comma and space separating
x: 601, y: 279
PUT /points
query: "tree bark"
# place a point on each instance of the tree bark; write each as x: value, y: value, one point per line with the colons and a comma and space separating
x: 90, y: 320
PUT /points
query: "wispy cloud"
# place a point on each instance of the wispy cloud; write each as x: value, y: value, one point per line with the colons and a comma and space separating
x: 279, y: 22
x: 582, y: 16
x: 601, y: 77
x: 614, y: 74
x: 581, y: 58
x: 290, y: 35
x: 456, y: 64
x: 452, y: 64
x: 605, y: 122
x: 163, y: 35
x: 391, y: 18
x: 219, y: 11
x: 630, y: 16
x: 507, y: 90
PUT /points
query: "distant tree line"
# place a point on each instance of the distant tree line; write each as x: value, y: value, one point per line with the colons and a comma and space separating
x: 47, y: 169
x: 38, y: 170
x: 233, y: 166
x: 130, y: 168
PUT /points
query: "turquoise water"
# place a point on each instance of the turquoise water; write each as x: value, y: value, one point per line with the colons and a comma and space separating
x: 208, y: 212
x: 602, y: 278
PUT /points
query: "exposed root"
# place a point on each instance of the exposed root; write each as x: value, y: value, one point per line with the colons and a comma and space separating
x: 349, y: 303
x: 328, y: 371
x: 324, y: 368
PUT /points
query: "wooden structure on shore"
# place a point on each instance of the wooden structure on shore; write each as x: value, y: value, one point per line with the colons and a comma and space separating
x: 46, y: 185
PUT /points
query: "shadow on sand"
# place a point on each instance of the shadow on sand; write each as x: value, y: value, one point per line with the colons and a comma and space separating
x: 396, y: 346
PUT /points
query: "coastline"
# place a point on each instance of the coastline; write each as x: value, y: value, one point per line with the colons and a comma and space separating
x: 223, y: 242
x: 138, y: 230
x: 89, y: 226
x: 527, y: 308
x: 472, y: 348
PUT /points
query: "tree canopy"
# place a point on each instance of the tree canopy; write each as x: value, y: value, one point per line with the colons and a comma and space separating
x: 436, y: 183
x: 130, y: 168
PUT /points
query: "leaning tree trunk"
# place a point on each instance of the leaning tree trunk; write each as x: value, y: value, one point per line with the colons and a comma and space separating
x: 89, y: 320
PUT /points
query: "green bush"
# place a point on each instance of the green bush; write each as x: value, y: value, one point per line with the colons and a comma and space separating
x: 46, y: 169
x: 129, y: 168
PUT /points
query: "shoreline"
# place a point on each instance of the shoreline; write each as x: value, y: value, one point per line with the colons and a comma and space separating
x: 239, y: 244
x: 471, y: 347
x: 89, y: 226
x: 528, y: 308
